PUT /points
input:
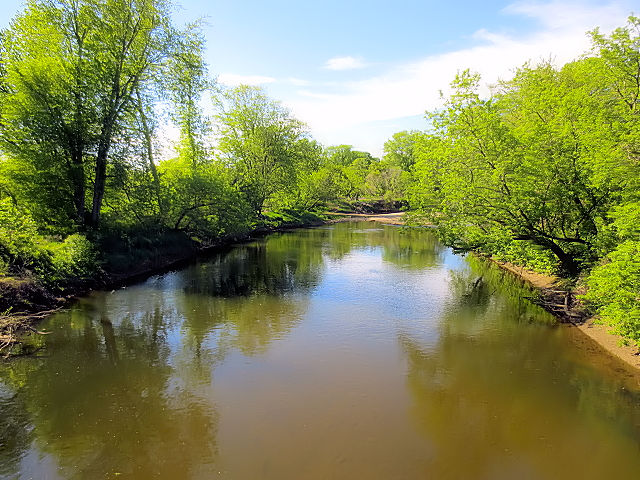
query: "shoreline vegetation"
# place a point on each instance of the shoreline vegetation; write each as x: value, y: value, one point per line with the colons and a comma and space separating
x: 543, y: 172
x: 554, y: 296
x: 25, y: 301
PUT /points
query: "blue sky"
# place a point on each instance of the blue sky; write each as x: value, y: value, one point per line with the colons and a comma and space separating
x: 358, y: 71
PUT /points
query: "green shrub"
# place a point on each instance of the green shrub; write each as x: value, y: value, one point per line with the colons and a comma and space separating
x: 614, y: 290
x: 23, y: 250
x: 73, y: 259
x: 18, y: 236
x: 528, y: 255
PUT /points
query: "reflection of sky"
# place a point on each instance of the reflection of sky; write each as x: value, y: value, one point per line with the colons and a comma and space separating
x: 391, y: 297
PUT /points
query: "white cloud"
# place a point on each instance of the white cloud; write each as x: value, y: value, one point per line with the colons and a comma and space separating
x: 409, y: 89
x: 232, y: 79
x: 344, y: 63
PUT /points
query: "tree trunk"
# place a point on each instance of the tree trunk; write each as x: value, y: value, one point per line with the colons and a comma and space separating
x: 149, y: 147
x: 100, y: 179
x: 567, y: 261
x: 77, y: 178
x: 110, y: 340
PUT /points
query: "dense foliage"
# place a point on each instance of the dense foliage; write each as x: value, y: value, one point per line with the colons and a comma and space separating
x: 545, y: 172
x: 89, y: 90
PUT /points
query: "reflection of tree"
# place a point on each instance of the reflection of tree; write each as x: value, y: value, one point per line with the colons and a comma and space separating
x: 122, y: 389
x: 247, y: 297
x: 246, y: 324
x: 413, y: 248
x: 15, y: 432
x: 497, y: 397
x: 275, y: 265
x: 99, y: 418
x: 478, y: 287
x: 127, y: 387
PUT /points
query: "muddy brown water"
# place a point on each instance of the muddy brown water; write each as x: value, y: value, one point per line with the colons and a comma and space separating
x: 351, y: 351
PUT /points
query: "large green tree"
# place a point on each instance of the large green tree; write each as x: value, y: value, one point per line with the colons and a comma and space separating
x: 261, y: 141
x: 72, y: 72
x: 521, y: 166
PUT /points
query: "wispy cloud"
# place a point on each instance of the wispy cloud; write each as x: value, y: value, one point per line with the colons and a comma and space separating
x: 409, y: 89
x: 344, y: 63
x: 559, y: 15
x: 232, y: 79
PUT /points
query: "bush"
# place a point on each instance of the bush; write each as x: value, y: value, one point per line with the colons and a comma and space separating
x: 614, y: 290
x: 72, y: 259
x: 528, y: 255
x: 24, y: 250
x: 18, y: 235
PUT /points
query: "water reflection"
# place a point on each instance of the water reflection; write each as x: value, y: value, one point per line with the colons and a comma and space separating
x: 496, y: 400
x: 405, y: 247
x: 124, y: 386
x: 282, y: 263
x: 350, y: 351
x: 15, y: 430
x: 100, y: 403
x: 481, y: 284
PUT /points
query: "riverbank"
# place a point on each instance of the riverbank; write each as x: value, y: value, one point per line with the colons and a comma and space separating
x: 26, y: 301
x: 561, y: 302
x: 554, y: 297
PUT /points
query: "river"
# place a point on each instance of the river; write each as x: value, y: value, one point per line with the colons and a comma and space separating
x: 349, y: 351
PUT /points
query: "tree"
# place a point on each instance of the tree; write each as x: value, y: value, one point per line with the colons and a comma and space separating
x: 519, y: 167
x: 201, y: 200
x: 260, y: 140
x: 614, y: 283
x: 73, y: 72
x: 185, y: 80
x: 399, y: 149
